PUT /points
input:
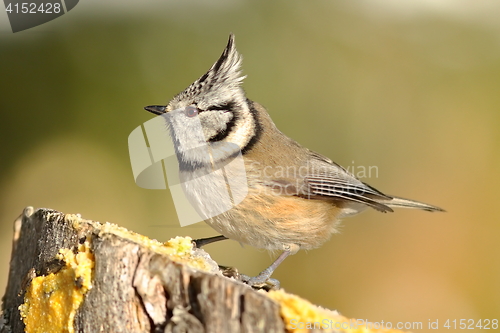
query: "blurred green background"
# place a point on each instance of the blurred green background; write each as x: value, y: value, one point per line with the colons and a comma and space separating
x: 411, y: 87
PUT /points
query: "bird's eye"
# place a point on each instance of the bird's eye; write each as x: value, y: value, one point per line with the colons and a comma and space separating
x: 191, y: 111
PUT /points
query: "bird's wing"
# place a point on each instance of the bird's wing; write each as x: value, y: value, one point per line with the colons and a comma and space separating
x: 328, y: 180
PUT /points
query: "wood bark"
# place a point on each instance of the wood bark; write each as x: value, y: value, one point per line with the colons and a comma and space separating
x: 134, y: 288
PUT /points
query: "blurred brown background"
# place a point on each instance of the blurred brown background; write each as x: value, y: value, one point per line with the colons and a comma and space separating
x: 411, y: 87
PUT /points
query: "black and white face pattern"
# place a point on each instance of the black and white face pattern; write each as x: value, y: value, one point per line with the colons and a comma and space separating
x: 198, y: 133
x: 216, y: 121
x: 213, y: 110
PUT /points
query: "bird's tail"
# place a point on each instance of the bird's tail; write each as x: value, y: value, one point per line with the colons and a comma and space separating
x: 397, y: 202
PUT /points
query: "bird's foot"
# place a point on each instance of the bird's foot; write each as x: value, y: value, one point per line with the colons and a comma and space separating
x: 260, y: 281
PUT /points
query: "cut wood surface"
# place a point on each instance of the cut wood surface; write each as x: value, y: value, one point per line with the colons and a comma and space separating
x: 68, y: 274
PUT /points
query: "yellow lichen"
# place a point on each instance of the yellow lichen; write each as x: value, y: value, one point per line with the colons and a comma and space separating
x: 51, y: 301
x: 181, y: 245
x: 179, y: 249
x: 300, y: 316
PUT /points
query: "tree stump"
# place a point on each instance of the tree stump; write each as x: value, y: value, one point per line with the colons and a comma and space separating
x: 68, y: 274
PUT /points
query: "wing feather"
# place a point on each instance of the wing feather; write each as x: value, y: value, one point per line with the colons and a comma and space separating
x: 345, y: 188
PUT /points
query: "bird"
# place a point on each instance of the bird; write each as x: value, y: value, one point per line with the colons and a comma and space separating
x: 292, y: 198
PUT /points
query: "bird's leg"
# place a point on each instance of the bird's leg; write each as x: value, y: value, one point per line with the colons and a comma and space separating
x: 229, y: 272
x: 205, y: 241
x: 264, y: 277
x: 263, y: 280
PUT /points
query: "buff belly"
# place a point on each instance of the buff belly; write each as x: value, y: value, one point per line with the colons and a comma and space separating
x: 272, y: 221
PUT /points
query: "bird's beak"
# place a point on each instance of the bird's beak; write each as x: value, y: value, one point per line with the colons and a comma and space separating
x: 156, y: 109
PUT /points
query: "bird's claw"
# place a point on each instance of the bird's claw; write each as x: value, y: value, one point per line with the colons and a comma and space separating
x: 261, y: 282
x: 256, y: 282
